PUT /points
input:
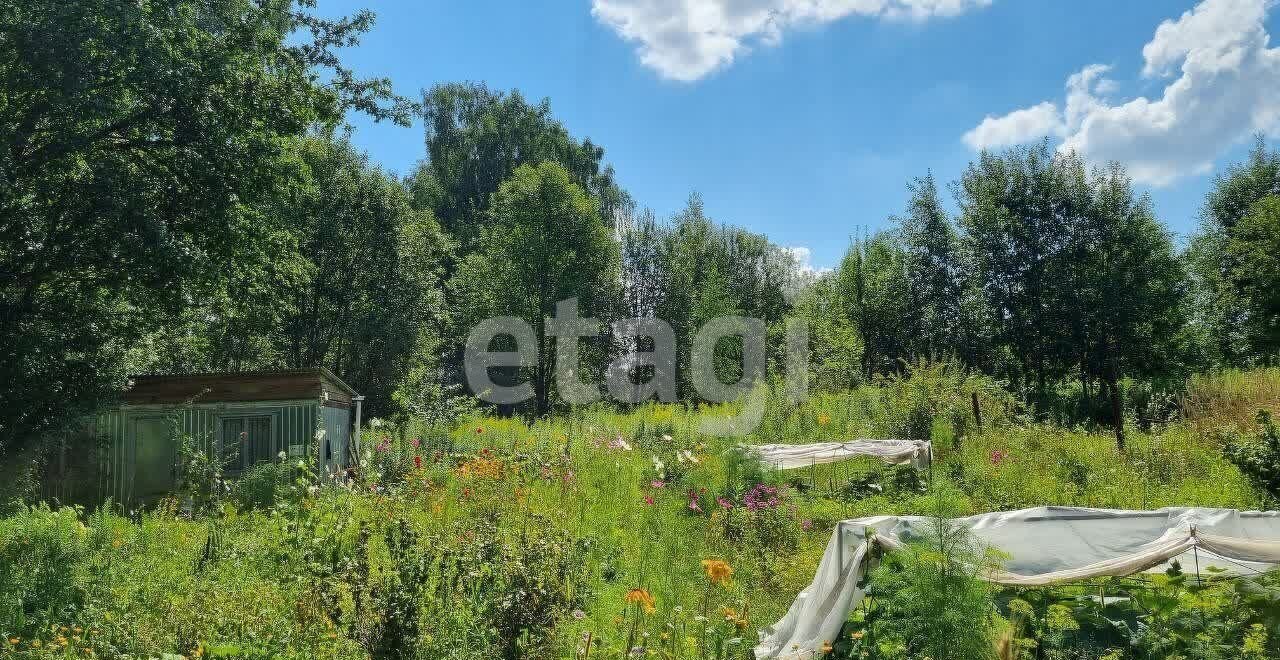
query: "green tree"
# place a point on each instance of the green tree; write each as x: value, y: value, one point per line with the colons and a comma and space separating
x: 1129, y: 289
x: 872, y: 281
x: 544, y: 242
x: 371, y: 305
x: 136, y: 141
x: 1255, y: 248
x: 1017, y: 210
x: 835, y: 357
x: 932, y: 270
x: 476, y: 138
x: 691, y: 270
x: 1234, y: 292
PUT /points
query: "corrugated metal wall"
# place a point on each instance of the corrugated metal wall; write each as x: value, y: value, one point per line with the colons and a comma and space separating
x: 337, y: 428
x: 294, y: 423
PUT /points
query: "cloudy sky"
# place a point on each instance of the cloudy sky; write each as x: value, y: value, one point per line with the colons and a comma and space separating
x: 804, y: 119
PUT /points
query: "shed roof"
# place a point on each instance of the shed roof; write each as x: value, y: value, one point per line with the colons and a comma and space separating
x: 275, y: 385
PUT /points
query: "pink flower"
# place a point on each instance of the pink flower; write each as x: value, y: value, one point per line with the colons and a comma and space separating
x: 658, y: 484
x: 724, y: 503
x: 693, y: 506
x: 648, y: 500
x: 761, y: 497
x: 999, y: 456
x: 416, y: 442
x: 806, y: 525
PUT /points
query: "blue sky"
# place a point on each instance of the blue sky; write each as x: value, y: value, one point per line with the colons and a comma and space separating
x: 807, y: 124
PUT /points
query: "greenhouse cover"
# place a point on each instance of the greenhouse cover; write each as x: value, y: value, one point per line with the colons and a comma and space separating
x: 894, y: 452
x: 1042, y: 546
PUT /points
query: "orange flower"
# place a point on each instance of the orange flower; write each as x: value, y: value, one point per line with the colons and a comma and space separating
x: 643, y: 598
x: 718, y: 571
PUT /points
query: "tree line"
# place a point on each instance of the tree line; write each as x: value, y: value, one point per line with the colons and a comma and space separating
x: 179, y: 194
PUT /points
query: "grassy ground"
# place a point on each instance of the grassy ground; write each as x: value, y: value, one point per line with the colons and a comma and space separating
x: 580, y: 537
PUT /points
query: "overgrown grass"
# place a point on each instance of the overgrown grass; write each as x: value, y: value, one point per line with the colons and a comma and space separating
x: 580, y: 536
x: 1231, y: 397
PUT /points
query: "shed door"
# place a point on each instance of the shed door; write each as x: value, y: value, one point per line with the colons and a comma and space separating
x: 155, y: 457
x: 246, y: 441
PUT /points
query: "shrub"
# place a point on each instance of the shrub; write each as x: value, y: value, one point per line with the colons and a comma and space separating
x: 258, y: 486
x: 41, y: 576
x: 1258, y: 456
x: 929, y: 600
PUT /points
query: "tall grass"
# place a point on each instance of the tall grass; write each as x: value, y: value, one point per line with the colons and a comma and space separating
x: 1231, y: 397
x: 583, y: 518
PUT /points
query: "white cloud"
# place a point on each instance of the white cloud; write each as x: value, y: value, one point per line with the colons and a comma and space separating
x: 689, y: 39
x: 1016, y: 127
x: 1223, y: 84
x: 804, y: 261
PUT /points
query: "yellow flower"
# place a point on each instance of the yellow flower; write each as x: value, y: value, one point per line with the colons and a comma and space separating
x: 718, y: 571
x: 826, y: 647
x: 643, y: 598
x: 857, y: 635
x: 823, y: 419
x: 14, y: 641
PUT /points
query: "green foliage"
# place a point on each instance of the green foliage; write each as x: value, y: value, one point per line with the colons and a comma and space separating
x: 514, y: 539
x: 42, y: 577
x: 692, y: 269
x: 260, y: 485
x: 143, y: 138
x: 929, y: 600
x: 1232, y: 260
x: 1258, y: 457
x: 545, y: 242
x: 476, y: 139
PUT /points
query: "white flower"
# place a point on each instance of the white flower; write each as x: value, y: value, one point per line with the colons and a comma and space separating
x: 374, y: 423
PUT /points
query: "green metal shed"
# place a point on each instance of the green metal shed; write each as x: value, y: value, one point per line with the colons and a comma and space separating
x: 241, y: 418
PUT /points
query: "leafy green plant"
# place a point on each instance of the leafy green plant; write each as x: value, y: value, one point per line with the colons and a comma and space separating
x: 41, y: 577
x: 1258, y: 456
x: 930, y: 600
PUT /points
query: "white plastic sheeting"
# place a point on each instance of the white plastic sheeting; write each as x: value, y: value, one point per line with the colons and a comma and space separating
x: 894, y: 452
x: 1045, y: 545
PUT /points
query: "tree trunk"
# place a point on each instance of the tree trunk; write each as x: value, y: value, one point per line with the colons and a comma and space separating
x: 1117, y: 411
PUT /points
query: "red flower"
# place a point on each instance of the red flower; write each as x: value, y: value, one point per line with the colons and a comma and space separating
x: 479, y: 429
x: 417, y: 462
